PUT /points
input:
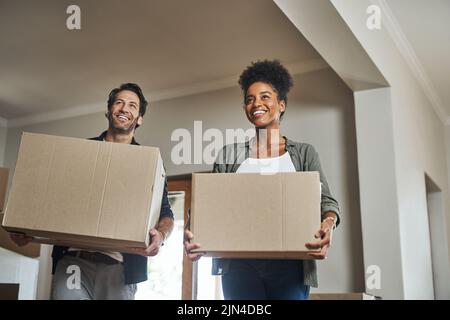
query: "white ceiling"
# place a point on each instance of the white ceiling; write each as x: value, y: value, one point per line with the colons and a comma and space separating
x: 159, y: 44
x: 166, y: 44
x: 426, y: 27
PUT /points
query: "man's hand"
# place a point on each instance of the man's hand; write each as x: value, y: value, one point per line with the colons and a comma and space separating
x: 188, y: 235
x: 157, y: 239
x: 325, y: 234
x: 20, y: 239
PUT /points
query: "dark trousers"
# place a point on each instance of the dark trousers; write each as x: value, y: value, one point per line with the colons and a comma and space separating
x: 249, y: 279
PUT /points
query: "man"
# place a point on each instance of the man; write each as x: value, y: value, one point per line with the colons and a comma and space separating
x: 110, y: 275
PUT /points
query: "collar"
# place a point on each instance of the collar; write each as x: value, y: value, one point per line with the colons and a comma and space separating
x: 102, y: 137
x: 289, y: 143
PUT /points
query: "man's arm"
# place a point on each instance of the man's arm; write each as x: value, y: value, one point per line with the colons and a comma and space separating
x: 165, y: 227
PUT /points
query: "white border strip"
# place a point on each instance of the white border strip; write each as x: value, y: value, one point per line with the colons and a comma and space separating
x: 227, y: 82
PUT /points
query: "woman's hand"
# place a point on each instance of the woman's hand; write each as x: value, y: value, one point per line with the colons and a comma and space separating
x: 325, y: 234
x: 188, y: 246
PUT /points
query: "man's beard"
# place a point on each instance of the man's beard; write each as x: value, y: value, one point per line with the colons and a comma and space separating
x: 121, y: 130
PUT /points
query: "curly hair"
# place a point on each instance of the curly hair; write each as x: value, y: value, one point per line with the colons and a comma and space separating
x: 271, y: 72
x: 129, y: 87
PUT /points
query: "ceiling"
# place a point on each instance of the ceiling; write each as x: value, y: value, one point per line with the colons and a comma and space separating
x: 160, y: 44
x: 165, y: 44
x: 426, y: 27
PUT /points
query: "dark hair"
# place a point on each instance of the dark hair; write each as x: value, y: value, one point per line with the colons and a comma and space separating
x: 268, y: 71
x: 130, y: 87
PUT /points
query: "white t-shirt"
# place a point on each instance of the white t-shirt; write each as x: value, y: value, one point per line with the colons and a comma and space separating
x: 267, y: 165
x: 115, y: 255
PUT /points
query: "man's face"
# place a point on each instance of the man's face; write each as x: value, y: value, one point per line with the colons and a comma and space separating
x: 124, y: 115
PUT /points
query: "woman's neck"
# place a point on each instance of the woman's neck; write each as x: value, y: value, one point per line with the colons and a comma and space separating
x: 269, y: 143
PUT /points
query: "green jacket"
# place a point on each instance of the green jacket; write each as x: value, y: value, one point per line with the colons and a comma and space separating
x: 305, y: 158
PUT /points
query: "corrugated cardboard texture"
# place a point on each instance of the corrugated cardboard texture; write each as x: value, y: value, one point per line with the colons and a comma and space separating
x: 69, y: 189
x: 32, y: 250
x: 120, y: 246
x: 253, y: 215
x: 4, y: 174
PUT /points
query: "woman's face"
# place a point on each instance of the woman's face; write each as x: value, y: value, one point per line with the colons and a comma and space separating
x: 262, y: 106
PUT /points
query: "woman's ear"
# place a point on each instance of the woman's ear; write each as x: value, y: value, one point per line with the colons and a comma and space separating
x: 139, y: 121
x: 282, y: 106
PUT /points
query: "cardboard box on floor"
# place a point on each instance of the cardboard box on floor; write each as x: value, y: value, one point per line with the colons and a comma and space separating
x: 9, y: 291
x: 251, y: 215
x: 32, y: 250
x: 79, y: 192
x: 342, y: 296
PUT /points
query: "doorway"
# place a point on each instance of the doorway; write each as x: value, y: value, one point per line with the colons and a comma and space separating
x: 438, y: 239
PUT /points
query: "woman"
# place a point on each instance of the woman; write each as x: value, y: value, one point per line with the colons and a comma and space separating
x: 265, y: 85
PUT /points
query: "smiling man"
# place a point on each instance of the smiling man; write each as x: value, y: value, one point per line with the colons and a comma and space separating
x: 126, y: 108
x: 105, y: 274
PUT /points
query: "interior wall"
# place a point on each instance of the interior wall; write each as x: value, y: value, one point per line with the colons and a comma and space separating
x: 379, y: 200
x: 370, y: 59
x: 419, y: 146
x: 320, y: 112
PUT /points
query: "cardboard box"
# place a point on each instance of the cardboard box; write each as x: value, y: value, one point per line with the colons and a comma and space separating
x: 82, y: 192
x: 343, y: 296
x: 250, y: 215
x: 31, y: 250
x: 9, y: 291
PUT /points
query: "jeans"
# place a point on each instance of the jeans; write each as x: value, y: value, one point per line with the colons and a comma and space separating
x: 249, y: 279
x: 79, y: 279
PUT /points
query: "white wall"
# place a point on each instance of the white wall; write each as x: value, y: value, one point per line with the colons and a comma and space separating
x: 368, y: 59
x: 16, y: 268
x: 379, y: 199
x: 419, y: 146
x: 320, y: 111
x: 447, y: 143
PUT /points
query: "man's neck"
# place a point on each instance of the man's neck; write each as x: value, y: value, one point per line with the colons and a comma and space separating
x: 112, y: 136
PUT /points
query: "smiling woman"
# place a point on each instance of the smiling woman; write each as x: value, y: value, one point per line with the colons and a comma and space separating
x: 268, y: 82
x: 265, y: 85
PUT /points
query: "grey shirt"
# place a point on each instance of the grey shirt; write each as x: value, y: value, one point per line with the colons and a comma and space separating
x: 305, y: 158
